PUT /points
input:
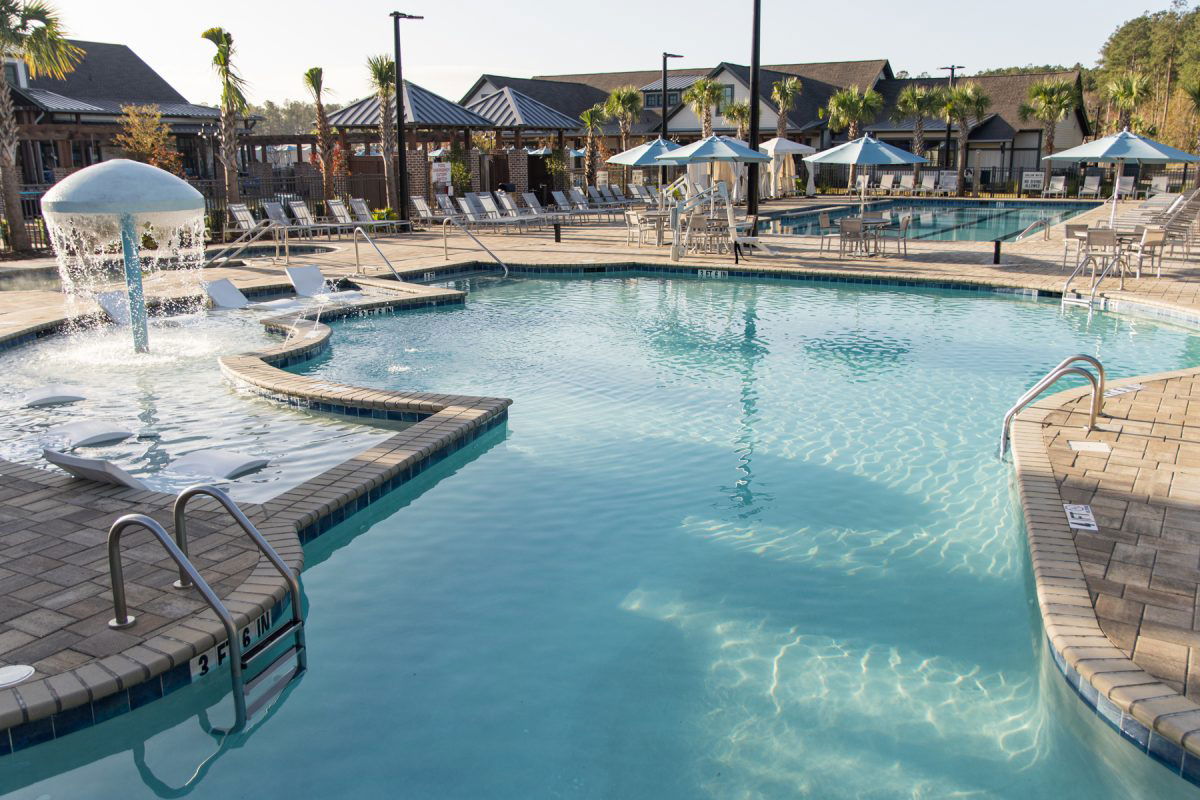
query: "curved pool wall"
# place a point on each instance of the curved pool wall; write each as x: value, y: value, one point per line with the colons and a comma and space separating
x: 261, y: 371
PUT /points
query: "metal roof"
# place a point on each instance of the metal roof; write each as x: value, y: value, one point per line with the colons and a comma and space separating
x: 55, y: 103
x: 509, y: 108
x: 673, y: 82
x: 422, y: 109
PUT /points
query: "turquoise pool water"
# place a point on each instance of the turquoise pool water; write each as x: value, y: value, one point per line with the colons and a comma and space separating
x: 737, y: 541
x: 953, y: 220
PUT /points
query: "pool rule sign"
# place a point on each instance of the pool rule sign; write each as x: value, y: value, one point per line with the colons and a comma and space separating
x: 1080, y: 517
x: 218, y: 656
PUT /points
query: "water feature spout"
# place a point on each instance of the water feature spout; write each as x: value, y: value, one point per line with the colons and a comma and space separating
x: 115, y: 203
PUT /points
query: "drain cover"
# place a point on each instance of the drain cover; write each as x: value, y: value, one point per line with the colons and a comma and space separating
x: 11, y: 676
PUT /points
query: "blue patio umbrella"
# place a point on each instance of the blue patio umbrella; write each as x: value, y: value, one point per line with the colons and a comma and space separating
x: 865, y: 151
x: 714, y: 148
x: 540, y: 151
x: 644, y: 155
x: 440, y: 152
x: 1120, y: 148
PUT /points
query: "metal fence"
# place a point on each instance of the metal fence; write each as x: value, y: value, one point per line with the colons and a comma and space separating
x: 1004, y: 182
x: 285, y: 188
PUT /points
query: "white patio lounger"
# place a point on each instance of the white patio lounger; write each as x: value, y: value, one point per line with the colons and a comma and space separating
x: 90, y: 432
x: 92, y: 469
x: 594, y: 198
x: 52, y: 395
x: 581, y: 203
x: 225, y: 464
x: 1057, y: 187
x: 493, y: 213
x: 1090, y: 186
x: 906, y: 183
x: 947, y: 185
x: 928, y: 183
x: 309, y: 282
x: 535, y: 206
x: 515, y: 212
x: 1125, y: 186
x: 342, y: 216
x: 225, y: 295
x: 886, y: 183
x: 305, y: 217
x: 362, y: 213
x: 279, y: 219
x: 577, y: 208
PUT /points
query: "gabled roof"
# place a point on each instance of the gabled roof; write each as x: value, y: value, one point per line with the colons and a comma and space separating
x: 1007, y: 93
x: 607, y: 81
x: 509, y: 108
x: 54, y: 103
x: 111, y: 72
x: 673, y: 82
x: 422, y: 109
x: 569, y: 98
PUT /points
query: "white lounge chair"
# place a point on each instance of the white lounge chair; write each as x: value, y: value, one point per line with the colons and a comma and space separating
x: 1090, y: 186
x: 1057, y: 187
x: 224, y: 464
x: 886, y: 183
x: 906, y: 183
x: 92, y: 469
x: 928, y: 183
x: 362, y: 213
x: 342, y: 216
x: 52, y: 395
x: 115, y: 304
x: 1158, y: 185
x: 947, y: 184
x: 224, y: 295
x: 309, y: 282
x: 279, y: 219
x: 1125, y: 186
x: 90, y: 433
x: 536, y: 207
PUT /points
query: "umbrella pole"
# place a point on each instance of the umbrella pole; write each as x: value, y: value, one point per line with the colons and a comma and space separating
x: 1112, y: 217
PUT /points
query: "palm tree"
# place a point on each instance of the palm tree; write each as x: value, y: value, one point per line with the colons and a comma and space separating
x: 703, y: 96
x: 30, y: 31
x: 1125, y: 93
x: 964, y: 104
x: 739, y: 114
x: 785, y: 92
x: 382, y: 72
x: 1192, y: 92
x: 624, y: 104
x: 1050, y: 101
x: 233, y: 105
x: 314, y: 81
x: 918, y: 103
x: 850, y: 109
x: 593, y: 124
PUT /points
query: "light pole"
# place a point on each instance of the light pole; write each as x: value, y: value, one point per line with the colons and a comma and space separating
x: 401, y: 144
x: 662, y: 102
x: 946, y: 150
x: 752, y: 173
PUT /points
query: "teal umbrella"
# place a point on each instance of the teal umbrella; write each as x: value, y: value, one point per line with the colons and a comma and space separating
x: 540, y: 151
x: 714, y: 148
x: 644, y: 155
x: 864, y: 151
x: 1119, y: 148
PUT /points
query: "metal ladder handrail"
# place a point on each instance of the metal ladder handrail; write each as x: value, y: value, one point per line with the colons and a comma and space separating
x: 446, y: 241
x: 1044, y: 222
x: 260, y: 228
x: 1118, y: 258
x: 1093, y: 259
x: 370, y: 241
x: 122, y: 619
x: 1062, y: 370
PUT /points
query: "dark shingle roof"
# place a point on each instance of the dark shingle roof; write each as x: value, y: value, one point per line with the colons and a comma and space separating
x: 111, y: 72
x: 607, y: 81
x: 509, y: 108
x: 422, y: 108
x: 569, y: 98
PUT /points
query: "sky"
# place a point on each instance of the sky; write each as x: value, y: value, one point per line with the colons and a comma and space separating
x: 458, y: 40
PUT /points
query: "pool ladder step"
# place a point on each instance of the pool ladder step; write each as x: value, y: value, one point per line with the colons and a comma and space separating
x: 189, y: 577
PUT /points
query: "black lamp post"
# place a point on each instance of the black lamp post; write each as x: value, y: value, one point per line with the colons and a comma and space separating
x: 401, y: 144
x: 946, y: 154
x: 752, y: 173
x: 662, y: 171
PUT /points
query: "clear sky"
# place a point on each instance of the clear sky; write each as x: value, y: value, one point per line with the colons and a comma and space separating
x: 278, y: 40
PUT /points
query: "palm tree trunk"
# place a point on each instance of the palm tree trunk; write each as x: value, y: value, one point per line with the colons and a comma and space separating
x: 964, y: 132
x: 706, y: 124
x: 387, y: 143
x: 781, y: 124
x: 918, y: 146
x: 325, y: 151
x: 229, y: 155
x: 624, y: 147
x: 589, y: 161
x: 1048, y: 141
x: 18, y: 236
x: 852, y: 132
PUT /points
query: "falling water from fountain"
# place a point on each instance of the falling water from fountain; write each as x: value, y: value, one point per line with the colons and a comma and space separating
x: 123, y: 219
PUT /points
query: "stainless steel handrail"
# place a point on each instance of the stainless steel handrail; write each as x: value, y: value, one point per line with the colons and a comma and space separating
x: 1062, y: 370
x: 370, y: 241
x: 446, y: 242
x: 180, y: 514
x: 122, y: 618
x: 1044, y: 222
x: 260, y: 228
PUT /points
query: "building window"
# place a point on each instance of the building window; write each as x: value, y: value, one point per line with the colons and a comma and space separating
x: 653, y: 99
x: 672, y: 99
x: 726, y: 98
x: 11, y: 75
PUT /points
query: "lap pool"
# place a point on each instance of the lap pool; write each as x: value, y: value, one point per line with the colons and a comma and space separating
x: 736, y: 540
x: 944, y: 220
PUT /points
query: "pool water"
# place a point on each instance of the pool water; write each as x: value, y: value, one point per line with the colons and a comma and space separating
x: 735, y: 541
x: 175, y: 400
x: 963, y: 221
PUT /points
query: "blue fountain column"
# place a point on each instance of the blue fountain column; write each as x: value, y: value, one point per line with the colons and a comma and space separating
x: 130, y: 241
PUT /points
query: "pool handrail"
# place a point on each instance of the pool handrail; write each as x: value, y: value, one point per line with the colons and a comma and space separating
x: 1044, y: 222
x: 1062, y: 370
x: 463, y: 228
x: 234, y: 248
x: 370, y: 241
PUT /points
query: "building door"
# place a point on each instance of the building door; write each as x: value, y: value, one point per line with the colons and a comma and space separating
x: 541, y: 182
x: 497, y: 171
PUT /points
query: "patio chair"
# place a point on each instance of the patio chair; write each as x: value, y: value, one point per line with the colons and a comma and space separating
x: 473, y: 218
x: 515, y: 212
x: 1101, y: 244
x: 243, y: 220
x: 928, y: 184
x: 535, y: 206
x: 1057, y: 187
x: 1125, y: 186
x: 1090, y: 187
x: 309, y: 282
x: 827, y: 231
x: 304, y: 216
x: 637, y: 226
x: 886, y: 183
x: 1158, y: 185
x: 493, y: 212
x: 947, y: 184
x: 899, y: 233
x: 224, y: 295
x: 362, y: 213
x: 852, y: 236
x: 1152, y: 244
x: 446, y: 204
x: 279, y: 219
x: 905, y: 184
x: 424, y: 212
x: 621, y: 198
x: 581, y: 203
x: 1073, y: 238
x: 342, y: 216
x: 744, y: 235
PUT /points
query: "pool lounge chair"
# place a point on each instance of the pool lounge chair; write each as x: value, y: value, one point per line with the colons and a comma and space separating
x: 905, y: 184
x: 535, y: 206
x: 210, y: 464
x: 1158, y: 185
x: 90, y: 433
x: 362, y: 213
x: 514, y: 211
x: 1057, y: 187
x: 579, y: 205
x: 928, y: 184
x: 309, y: 282
x: 304, y: 216
x: 947, y: 184
x: 54, y: 394
x: 493, y: 212
x: 279, y: 219
x: 342, y: 216
x: 886, y: 184
x: 594, y: 198
x: 1125, y: 186
x: 479, y: 219
x: 1090, y: 187
x: 225, y: 296
x: 446, y: 204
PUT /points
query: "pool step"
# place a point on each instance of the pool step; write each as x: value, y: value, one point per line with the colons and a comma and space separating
x: 276, y: 683
x: 292, y: 626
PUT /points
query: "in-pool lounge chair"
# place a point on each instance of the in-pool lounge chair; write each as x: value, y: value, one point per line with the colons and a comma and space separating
x: 309, y: 282
x: 90, y: 433
x: 209, y: 464
x: 224, y: 295
x: 54, y: 394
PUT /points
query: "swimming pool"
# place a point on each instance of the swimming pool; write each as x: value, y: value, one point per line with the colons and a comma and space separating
x: 738, y: 540
x: 944, y: 220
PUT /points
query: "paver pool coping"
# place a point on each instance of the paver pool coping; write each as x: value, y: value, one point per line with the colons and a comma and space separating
x: 1159, y: 720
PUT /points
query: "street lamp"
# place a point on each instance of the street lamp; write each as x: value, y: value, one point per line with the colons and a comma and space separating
x: 401, y: 144
x: 946, y: 150
x: 752, y: 173
x: 662, y: 102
